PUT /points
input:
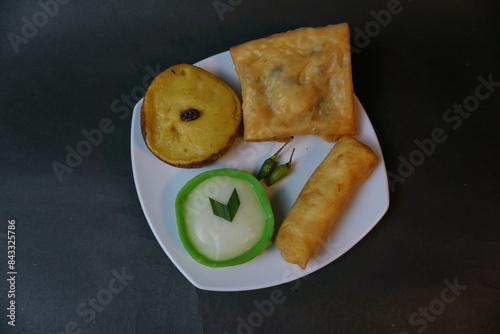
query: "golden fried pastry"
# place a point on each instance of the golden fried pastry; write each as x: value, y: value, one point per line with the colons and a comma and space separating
x: 330, y: 138
x: 322, y: 200
x: 296, y: 83
x: 189, y: 117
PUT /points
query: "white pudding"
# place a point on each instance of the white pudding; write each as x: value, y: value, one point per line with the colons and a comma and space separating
x: 214, y: 237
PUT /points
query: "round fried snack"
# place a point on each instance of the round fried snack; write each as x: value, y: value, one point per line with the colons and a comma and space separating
x: 189, y: 117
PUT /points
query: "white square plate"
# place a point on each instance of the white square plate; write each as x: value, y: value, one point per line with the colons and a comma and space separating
x: 157, y: 185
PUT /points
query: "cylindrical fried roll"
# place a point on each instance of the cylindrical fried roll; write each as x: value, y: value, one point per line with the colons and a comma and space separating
x: 323, y: 199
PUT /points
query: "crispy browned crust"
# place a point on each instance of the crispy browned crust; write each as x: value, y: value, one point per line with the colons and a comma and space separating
x: 323, y: 199
x: 330, y: 138
x: 298, y: 82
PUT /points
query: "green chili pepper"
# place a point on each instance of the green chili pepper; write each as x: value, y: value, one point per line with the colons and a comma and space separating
x: 269, y: 163
x: 279, y: 172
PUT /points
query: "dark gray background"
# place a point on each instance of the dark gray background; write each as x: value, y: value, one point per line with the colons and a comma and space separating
x: 73, y: 236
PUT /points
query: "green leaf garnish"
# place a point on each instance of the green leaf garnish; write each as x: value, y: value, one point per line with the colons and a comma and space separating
x: 226, y: 211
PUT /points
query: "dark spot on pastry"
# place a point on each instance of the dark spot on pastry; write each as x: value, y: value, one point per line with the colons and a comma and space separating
x: 189, y: 115
x: 276, y: 70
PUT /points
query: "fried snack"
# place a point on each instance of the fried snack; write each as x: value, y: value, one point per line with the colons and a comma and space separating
x: 189, y: 117
x: 330, y: 138
x: 296, y: 83
x: 323, y: 199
